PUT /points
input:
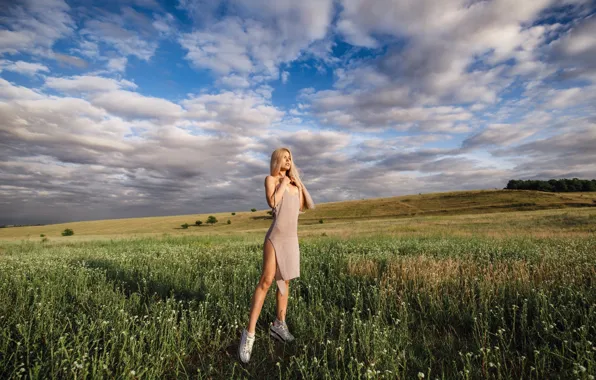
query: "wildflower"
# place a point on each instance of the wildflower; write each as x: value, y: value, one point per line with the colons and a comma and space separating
x: 420, y: 375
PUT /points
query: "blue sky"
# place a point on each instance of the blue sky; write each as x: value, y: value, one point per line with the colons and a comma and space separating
x: 135, y: 108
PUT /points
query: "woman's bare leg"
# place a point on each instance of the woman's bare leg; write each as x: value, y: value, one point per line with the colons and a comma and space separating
x: 267, y: 276
x: 282, y: 302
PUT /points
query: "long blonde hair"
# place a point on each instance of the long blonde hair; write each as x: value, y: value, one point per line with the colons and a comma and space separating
x: 275, y: 168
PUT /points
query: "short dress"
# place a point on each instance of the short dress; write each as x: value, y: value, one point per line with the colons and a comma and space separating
x: 283, y: 235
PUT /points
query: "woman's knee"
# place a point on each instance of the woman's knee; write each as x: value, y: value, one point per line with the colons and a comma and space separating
x: 265, y: 282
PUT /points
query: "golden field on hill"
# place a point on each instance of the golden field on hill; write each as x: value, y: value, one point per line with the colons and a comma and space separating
x: 460, y: 213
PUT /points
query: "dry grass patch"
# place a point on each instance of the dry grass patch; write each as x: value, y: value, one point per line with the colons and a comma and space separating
x: 433, y: 274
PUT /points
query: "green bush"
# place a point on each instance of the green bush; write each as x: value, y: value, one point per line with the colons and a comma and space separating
x: 233, y: 213
x: 229, y: 221
x: 185, y: 225
x: 321, y: 221
x: 42, y: 235
x: 67, y: 232
x: 45, y: 239
x: 253, y: 209
x: 211, y: 219
x: 199, y: 222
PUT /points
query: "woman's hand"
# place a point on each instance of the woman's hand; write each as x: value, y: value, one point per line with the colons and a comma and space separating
x: 286, y: 180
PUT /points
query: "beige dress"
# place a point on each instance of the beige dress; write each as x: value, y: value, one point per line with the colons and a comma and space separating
x: 283, y: 235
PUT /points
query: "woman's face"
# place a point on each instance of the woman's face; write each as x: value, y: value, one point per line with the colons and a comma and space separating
x: 286, y: 161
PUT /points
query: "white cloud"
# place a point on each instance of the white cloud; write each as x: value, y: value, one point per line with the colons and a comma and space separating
x: 9, y: 91
x: 445, y: 41
x: 568, y: 153
x: 125, y: 41
x: 85, y: 149
x: 284, y: 77
x: 164, y: 24
x: 234, y: 81
x: 124, y: 34
x: 222, y: 49
x: 117, y: 64
x: 87, y: 83
x: 132, y: 105
x: 262, y: 36
x: 576, y: 50
x: 34, y: 26
x: 385, y: 108
x: 499, y: 134
x: 309, y: 144
x: 22, y: 67
x: 88, y: 49
x: 69, y: 60
x: 457, y: 54
x: 232, y: 112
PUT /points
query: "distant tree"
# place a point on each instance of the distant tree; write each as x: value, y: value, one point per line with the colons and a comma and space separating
x: 253, y: 209
x: 67, y: 232
x: 199, y: 222
x: 553, y: 185
x: 544, y: 186
x: 321, y: 221
x: 42, y: 235
x: 560, y: 186
x: 576, y: 185
x: 211, y: 219
x: 233, y: 213
x: 513, y: 184
x: 185, y: 225
x: 229, y: 221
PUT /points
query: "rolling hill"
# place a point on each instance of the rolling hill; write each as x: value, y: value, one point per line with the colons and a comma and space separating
x: 414, y: 213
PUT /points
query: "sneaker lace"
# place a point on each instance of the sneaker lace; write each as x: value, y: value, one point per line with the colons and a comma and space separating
x: 248, y: 345
x: 284, y: 329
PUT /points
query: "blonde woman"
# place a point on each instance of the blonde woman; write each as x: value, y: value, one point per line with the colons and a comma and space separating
x: 287, y: 196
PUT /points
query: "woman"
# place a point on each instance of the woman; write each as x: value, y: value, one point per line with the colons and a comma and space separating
x: 287, y: 196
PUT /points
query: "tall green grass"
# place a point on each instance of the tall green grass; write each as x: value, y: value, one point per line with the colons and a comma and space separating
x: 379, y: 307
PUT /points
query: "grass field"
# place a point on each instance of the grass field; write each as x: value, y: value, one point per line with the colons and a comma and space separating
x: 480, y: 295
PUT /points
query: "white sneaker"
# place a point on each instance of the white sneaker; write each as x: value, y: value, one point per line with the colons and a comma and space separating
x: 245, y: 347
x: 281, y: 332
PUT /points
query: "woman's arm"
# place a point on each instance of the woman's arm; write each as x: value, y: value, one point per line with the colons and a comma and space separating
x: 274, y: 196
x: 301, y: 197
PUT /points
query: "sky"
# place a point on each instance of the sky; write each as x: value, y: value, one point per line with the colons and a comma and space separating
x: 114, y: 109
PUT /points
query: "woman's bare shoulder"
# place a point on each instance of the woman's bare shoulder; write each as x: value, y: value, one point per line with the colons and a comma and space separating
x: 270, y: 180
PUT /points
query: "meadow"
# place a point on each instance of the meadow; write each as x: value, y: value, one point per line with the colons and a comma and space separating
x: 494, y: 295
